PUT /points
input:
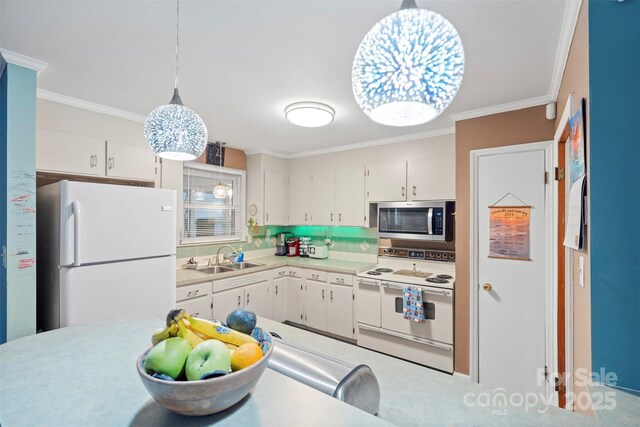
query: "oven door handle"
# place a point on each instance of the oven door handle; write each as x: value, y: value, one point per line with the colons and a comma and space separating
x: 407, y: 337
x: 366, y: 282
x: 426, y: 291
x: 430, y: 221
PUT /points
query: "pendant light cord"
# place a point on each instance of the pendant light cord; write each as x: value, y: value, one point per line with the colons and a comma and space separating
x: 177, y: 41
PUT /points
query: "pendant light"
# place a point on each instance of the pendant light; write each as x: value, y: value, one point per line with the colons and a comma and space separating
x: 408, y: 68
x: 220, y: 191
x: 174, y: 131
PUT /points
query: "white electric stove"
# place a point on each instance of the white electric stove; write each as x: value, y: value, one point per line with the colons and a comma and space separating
x: 381, y: 324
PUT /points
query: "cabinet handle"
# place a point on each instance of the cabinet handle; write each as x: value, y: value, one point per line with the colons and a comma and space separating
x: 331, y: 216
x: 331, y: 296
x: 247, y: 299
x: 193, y: 293
x: 305, y: 217
x: 402, y: 191
x: 239, y: 300
x: 276, y: 289
x: 414, y: 190
x: 267, y: 216
x: 339, y: 280
x: 94, y: 161
x: 323, y: 295
x: 339, y: 217
x: 112, y: 162
x: 196, y: 314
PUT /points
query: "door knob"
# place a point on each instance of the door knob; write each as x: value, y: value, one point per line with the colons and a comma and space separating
x: 487, y: 287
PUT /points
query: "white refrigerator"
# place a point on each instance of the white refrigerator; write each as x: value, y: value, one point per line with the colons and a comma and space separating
x: 103, y: 251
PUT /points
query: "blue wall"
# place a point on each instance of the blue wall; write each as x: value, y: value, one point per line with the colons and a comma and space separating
x: 614, y: 90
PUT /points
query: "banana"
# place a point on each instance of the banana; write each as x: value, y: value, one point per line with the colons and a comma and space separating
x: 188, y: 334
x: 164, y: 333
x: 216, y: 331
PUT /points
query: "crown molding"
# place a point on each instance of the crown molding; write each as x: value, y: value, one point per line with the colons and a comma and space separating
x: 502, y: 108
x: 16, y: 58
x: 375, y: 142
x: 357, y: 145
x: 569, y: 22
x: 91, y: 106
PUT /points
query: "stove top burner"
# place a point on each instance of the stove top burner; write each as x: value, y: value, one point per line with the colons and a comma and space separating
x: 374, y: 273
x: 444, y: 276
x: 384, y: 270
x: 437, y: 280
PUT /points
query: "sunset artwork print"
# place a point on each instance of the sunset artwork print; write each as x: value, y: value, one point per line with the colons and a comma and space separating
x: 509, y: 232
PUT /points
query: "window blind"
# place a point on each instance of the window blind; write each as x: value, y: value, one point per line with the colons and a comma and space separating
x: 206, y: 218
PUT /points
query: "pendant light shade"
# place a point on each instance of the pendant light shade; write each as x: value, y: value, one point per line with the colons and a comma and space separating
x: 408, y: 68
x: 174, y: 131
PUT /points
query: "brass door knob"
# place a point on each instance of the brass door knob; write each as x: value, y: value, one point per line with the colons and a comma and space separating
x: 486, y: 287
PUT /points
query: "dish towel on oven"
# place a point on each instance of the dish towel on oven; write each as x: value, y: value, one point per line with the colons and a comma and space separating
x: 412, y: 307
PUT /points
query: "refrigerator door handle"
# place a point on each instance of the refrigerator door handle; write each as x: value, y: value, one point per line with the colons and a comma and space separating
x: 75, y: 205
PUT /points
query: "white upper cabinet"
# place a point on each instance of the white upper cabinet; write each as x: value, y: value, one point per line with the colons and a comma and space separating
x: 66, y: 153
x: 323, y: 189
x: 386, y: 182
x: 299, y: 199
x: 63, y: 152
x: 274, y: 198
x: 432, y: 179
x: 349, y: 200
x: 130, y: 161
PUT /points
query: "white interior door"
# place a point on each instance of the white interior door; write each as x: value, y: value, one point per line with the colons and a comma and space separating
x: 511, y: 292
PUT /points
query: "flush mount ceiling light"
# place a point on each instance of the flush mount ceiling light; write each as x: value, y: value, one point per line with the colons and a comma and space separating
x: 408, y: 68
x: 174, y: 131
x: 309, y: 114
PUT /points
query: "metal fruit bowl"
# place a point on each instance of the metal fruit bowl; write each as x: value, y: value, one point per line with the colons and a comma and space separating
x: 205, y: 397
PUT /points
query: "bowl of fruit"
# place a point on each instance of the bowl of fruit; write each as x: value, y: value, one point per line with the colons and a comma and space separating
x: 200, y: 367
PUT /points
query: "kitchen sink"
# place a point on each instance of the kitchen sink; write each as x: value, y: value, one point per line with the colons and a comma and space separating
x: 243, y: 265
x: 215, y: 269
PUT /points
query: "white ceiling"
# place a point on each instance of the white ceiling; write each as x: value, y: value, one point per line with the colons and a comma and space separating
x: 242, y: 62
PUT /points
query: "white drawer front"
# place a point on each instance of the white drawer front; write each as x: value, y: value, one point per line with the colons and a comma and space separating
x: 280, y: 272
x: 340, y: 279
x: 315, y: 275
x: 197, y: 307
x: 193, y: 291
x: 223, y: 285
x: 294, y: 272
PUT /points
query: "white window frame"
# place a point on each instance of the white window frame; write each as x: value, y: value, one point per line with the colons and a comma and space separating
x: 242, y: 206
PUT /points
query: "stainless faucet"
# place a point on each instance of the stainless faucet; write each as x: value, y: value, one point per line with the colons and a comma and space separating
x: 217, y: 260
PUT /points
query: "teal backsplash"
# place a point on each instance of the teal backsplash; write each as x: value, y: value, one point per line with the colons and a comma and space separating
x: 345, y: 239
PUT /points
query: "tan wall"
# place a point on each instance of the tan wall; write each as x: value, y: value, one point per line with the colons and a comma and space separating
x: 513, y: 127
x: 576, y: 80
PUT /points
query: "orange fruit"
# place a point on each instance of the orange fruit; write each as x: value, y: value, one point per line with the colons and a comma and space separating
x: 245, y: 355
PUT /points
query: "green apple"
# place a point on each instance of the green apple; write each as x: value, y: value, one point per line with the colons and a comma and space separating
x: 206, y: 357
x: 168, y: 357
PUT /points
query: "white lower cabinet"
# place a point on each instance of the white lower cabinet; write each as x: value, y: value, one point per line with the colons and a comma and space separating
x: 280, y: 299
x: 295, y: 300
x: 259, y: 299
x: 340, y: 310
x: 195, y: 299
x: 225, y: 302
x: 315, y: 304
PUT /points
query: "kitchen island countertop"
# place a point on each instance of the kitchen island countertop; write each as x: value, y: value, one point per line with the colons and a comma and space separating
x: 86, y: 375
x: 189, y: 277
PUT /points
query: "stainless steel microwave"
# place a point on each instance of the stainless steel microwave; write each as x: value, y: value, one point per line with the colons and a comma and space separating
x: 432, y: 220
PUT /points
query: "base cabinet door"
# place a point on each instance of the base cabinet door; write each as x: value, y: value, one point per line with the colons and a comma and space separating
x: 259, y: 299
x: 295, y: 300
x: 197, y: 307
x: 315, y: 305
x: 225, y: 302
x: 280, y: 299
x: 340, y: 310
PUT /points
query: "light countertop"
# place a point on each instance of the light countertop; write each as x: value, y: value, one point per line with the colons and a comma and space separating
x: 86, y: 376
x: 188, y: 277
